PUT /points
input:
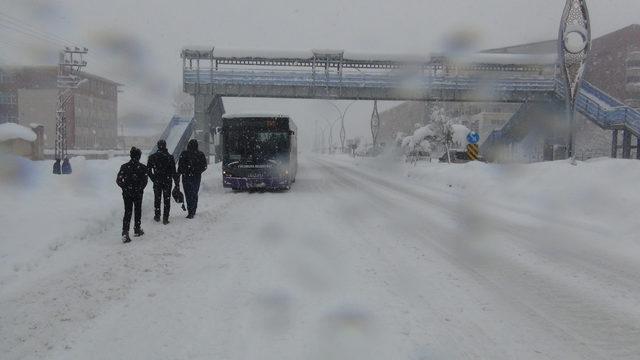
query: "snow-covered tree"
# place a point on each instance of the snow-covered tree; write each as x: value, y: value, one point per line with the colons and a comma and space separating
x: 439, y: 136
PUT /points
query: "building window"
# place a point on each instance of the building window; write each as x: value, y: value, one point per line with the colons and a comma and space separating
x: 7, y: 98
x: 4, y: 118
x: 633, y: 63
x: 6, y: 78
x: 633, y: 79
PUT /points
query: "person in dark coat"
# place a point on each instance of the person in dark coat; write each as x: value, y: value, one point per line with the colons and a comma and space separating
x: 132, y: 179
x: 191, y: 165
x: 162, y: 172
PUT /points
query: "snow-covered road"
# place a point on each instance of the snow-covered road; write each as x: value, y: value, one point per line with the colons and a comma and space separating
x: 355, y: 262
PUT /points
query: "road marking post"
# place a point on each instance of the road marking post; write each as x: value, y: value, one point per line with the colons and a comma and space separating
x: 473, y: 151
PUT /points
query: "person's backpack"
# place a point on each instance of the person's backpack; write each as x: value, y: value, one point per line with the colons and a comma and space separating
x: 178, y: 196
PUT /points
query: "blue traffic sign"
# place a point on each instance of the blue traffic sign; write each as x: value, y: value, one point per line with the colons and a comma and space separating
x: 473, y: 137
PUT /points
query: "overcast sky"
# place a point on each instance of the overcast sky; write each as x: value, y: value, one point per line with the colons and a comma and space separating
x: 137, y: 43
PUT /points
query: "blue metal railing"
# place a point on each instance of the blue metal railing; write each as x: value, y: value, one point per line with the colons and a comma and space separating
x: 603, y: 109
x: 598, y: 106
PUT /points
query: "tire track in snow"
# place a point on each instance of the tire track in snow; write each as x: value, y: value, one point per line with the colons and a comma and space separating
x: 571, y: 310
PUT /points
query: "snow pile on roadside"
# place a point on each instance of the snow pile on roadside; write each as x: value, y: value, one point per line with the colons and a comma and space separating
x: 42, y: 213
x: 599, y: 191
x: 11, y: 131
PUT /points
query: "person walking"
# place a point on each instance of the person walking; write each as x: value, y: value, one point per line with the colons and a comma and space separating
x: 162, y: 172
x: 132, y: 179
x: 191, y: 165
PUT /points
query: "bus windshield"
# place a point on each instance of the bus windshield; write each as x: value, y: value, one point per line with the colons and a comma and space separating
x: 250, y: 145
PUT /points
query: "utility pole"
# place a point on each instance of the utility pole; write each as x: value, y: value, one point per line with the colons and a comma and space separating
x: 70, y: 64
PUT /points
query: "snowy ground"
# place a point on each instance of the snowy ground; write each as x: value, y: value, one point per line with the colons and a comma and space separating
x: 362, y: 259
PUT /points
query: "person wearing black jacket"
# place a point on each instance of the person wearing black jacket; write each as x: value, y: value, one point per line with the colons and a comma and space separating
x: 191, y: 165
x: 132, y: 179
x: 162, y: 172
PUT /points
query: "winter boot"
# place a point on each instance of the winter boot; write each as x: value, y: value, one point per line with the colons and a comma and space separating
x: 126, y: 238
x: 165, y: 220
x: 156, y: 218
x: 190, y: 216
x: 138, y: 232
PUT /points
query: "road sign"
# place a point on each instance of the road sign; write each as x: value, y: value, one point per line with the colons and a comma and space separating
x: 473, y: 151
x: 473, y: 137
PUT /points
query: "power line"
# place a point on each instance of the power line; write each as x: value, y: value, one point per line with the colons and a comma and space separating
x: 31, y: 35
x: 28, y: 27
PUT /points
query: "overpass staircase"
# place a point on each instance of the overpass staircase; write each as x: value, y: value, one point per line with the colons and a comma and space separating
x: 596, y: 105
x: 177, y: 134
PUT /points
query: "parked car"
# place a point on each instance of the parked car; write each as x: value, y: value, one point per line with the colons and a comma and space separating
x: 417, y: 155
x: 458, y: 157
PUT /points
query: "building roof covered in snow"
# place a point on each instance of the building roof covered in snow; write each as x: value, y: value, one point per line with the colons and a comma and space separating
x: 11, y: 131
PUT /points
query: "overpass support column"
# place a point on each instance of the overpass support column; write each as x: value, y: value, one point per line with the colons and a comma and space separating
x: 638, y: 148
x: 626, y: 144
x: 614, y: 144
x: 215, y: 111
x: 202, y: 117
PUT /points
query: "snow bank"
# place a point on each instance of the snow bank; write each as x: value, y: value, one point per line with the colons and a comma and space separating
x: 11, y: 131
x: 42, y: 213
x: 585, y: 193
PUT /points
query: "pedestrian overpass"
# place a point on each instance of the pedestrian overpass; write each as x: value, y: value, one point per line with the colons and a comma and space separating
x: 212, y: 74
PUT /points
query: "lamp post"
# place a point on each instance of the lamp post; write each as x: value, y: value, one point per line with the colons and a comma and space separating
x: 574, y: 44
x: 323, y: 132
x: 342, y: 114
x: 330, y: 125
x: 375, y: 124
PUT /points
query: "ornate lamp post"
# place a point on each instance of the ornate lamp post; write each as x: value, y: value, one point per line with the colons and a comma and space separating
x: 375, y: 124
x: 574, y: 43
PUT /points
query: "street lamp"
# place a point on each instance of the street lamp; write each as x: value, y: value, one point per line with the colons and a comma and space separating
x: 330, y: 125
x: 342, y: 115
x: 574, y: 44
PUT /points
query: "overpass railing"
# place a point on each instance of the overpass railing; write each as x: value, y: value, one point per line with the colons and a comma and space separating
x: 604, y: 110
x: 358, y: 79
